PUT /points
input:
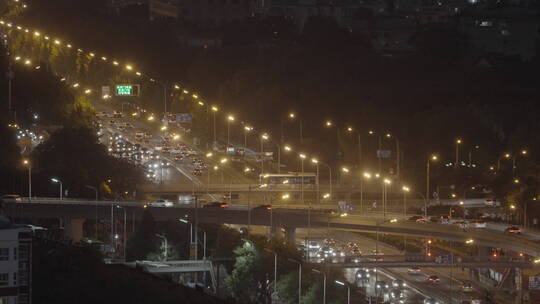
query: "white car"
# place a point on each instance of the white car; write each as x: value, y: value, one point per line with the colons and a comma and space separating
x: 478, y: 224
x: 414, y: 270
x: 160, y: 203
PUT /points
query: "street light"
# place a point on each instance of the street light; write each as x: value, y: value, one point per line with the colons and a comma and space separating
x: 196, y: 232
x: 316, y: 163
x: 324, y: 283
x: 405, y: 191
x: 458, y: 142
x: 385, y: 183
x: 28, y: 164
x: 398, y: 156
x: 351, y: 130
x: 214, y: 110
x: 247, y: 129
x: 426, y: 201
x: 264, y: 137
x: 348, y: 290
x: 365, y: 175
x: 230, y: 119
x: 299, y: 279
x: 56, y: 180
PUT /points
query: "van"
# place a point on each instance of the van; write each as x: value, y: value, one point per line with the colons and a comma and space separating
x: 10, y: 198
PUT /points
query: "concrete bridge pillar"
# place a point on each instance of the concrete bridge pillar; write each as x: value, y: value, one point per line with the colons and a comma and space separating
x: 290, y: 234
x: 73, y: 229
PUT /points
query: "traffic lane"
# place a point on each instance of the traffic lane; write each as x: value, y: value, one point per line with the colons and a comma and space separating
x: 488, y: 238
x: 437, y: 290
x: 184, y: 177
x: 366, y: 246
x: 157, y: 140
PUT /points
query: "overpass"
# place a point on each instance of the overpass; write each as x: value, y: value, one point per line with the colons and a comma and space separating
x: 420, y: 260
x: 74, y: 213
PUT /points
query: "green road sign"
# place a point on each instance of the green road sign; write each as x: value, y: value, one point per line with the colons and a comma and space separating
x: 126, y: 90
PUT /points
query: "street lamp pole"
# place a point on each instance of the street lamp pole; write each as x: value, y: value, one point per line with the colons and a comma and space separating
x: 29, y: 165
x: 348, y: 290
x: 125, y: 230
x: 458, y: 142
x: 214, y: 110
x: 229, y: 119
x: 299, y: 279
x: 426, y: 201
x: 263, y: 138
x: 405, y: 191
x: 56, y: 180
x: 324, y: 283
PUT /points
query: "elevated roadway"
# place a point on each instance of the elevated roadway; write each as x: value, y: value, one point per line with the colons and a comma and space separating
x: 290, y: 219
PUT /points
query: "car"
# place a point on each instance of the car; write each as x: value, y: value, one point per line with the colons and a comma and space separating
x: 311, y: 244
x: 433, y: 279
x: 478, y: 224
x: 10, y: 198
x: 197, y: 172
x: 263, y: 207
x: 414, y: 218
x: 444, y: 219
x: 513, y: 230
x: 467, y: 287
x: 216, y: 205
x: 338, y: 254
x: 462, y: 224
x: 399, y: 284
x: 382, y: 285
x: 355, y: 252
x: 160, y: 203
x: 414, y: 270
x: 422, y: 221
x: 362, y: 275
x: 325, y: 252
x: 330, y: 242
x: 431, y: 301
x: 396, y: 294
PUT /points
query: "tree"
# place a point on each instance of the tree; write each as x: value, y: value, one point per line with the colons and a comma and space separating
x: 242, y: 282
x: 144, y: 242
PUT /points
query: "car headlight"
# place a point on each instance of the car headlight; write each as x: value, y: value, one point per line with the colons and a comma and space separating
x: 342, y: 254
x: 367, y: 275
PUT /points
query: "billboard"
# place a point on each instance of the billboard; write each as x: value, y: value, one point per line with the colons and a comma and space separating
x: 126, y: 90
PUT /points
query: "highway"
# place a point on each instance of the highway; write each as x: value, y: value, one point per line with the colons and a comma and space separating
x: 295, y: 218
x: 449, y: 287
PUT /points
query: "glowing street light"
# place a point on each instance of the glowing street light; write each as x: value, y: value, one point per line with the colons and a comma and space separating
x: 230, y: 118
x: 328, y: 123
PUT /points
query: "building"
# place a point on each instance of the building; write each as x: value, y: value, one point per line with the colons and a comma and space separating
x: 213, y: 13
x: 299, y: 11
x: 15, y: 263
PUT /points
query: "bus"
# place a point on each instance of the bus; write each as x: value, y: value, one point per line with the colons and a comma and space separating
x: 291, y: 179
